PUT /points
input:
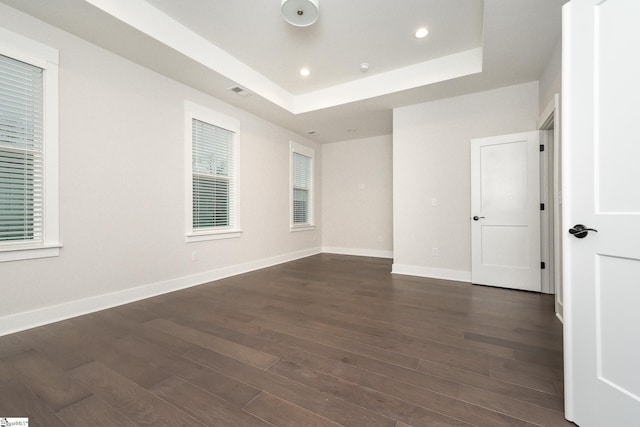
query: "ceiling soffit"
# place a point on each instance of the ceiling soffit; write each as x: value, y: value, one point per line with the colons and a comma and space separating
x: 156, y: 24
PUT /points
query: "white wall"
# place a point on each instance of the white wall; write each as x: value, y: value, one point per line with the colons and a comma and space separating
x: 357, y: 197
x: 122, y: 190
x: 551, y: 78
x: 431, y: 160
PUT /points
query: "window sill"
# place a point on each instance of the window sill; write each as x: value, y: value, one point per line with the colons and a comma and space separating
x: 212, y: 235
x: 307, y: 227
x: 24, y: 252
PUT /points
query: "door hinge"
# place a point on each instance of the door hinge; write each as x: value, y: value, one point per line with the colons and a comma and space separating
x: 541, y: 206
x: 541, y: 147
x: 543, y: 265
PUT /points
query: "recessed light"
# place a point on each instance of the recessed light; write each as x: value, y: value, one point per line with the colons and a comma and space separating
x: 364, y: 67
x: 422, y: 32
x: 304, y: 72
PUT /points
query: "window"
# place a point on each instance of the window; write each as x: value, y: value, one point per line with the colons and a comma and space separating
x: 28, y: 149
x: 301, y: 187
x: 213, y: 189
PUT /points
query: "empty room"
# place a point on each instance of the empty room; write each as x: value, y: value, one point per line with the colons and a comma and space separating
x: 295, y: 213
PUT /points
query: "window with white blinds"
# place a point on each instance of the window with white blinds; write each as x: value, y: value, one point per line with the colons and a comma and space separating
x: 21, y: 152
x: 29, y: 214
x: 213, y: 172
x: 301, y: 186
x: 213, y: 188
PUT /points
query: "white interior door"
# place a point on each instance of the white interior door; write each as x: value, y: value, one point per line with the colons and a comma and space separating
x: 601, y: 165
x: 505, y: 211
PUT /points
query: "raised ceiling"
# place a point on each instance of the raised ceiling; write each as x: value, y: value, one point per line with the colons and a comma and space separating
x: 346, y: 34
x: 473, y: 45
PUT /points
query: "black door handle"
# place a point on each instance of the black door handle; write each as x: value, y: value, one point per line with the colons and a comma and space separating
x: 475, y: 218
x: 580, y: 231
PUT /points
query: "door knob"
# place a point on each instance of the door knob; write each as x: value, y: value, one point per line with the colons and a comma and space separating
x: 475, y: 218
x: 580, y: 231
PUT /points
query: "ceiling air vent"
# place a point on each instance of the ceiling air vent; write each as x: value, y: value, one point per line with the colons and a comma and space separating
x: 240, y: 90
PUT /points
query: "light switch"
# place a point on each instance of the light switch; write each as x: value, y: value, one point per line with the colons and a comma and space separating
x: 434, y: 202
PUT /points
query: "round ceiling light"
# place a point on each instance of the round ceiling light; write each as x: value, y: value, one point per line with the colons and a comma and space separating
x: 300, y: 13
x: 305, y: 72
x: 421, y: 33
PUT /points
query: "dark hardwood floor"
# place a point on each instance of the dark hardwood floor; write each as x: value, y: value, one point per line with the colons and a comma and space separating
x: 324, y: 341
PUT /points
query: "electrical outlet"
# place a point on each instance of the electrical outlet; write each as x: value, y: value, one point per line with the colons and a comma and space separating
x: 434, y: 202
x: 434, y: 252
x: 194, y: 256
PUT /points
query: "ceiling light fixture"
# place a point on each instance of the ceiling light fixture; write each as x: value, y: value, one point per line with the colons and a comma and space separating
x: 300, y: 13
x: 304, y: 72
x: 364, y: 67
x: 421, y: 33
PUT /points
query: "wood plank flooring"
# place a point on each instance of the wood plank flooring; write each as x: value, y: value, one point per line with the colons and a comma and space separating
x: 325, y: 341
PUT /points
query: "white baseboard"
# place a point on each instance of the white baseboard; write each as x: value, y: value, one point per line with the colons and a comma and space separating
x: 42, y: 316
x: 434, y: 273
x: 358, y: 252
x: 560, y: 311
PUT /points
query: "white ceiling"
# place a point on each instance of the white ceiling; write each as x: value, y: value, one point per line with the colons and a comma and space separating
x: 211, y: 45
x: 346, y: 34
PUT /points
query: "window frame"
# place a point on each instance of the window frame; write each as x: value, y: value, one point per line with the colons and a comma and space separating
x: 297, y: 148
x: 195, y: 111
x: 29, y: 51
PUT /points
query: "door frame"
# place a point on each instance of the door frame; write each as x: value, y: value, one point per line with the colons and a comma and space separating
x: 550, y: 194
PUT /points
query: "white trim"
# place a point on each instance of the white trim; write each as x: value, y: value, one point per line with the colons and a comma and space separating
x: 47, y: 58
x: 550, y: 122
x: 296, y: 228
x: 210, y: 116
x: 569, y: 10
x: 296, y: 147
x: 17, y: 253
x: 559, y: 313
x: 51, y: 156
x: 26, y: 50
x: 375, y: 253
x: 212, y: 235
x: 198, y: 112
x: 42, y: 316
x: 547, y: 276
x: 548, y: 114
x: 435, y: 273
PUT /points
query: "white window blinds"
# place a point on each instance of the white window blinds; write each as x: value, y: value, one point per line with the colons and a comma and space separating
x: 21, y: 152
x: 213, y: 167
x: 301, y: 191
